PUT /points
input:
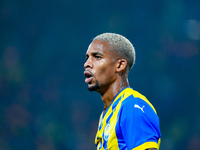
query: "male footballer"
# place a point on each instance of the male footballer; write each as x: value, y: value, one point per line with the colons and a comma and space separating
x: 129, y: 121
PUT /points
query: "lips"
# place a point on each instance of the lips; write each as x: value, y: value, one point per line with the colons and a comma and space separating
x: 89, y: 76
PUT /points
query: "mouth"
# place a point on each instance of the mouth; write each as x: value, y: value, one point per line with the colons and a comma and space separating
x: 88, y: 75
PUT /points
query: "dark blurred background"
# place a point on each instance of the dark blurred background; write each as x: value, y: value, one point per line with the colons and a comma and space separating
x: 44, y: 102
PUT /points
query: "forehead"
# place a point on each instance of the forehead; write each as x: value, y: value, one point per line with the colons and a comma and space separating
x: 98, y: 46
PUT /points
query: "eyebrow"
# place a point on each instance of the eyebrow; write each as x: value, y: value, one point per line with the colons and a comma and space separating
x: 95, y: 53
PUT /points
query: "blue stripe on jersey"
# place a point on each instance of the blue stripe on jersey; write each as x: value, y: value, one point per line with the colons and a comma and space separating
x: 137, y: 126
x: 130, y: 123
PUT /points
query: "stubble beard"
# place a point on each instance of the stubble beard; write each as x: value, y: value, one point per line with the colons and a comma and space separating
x: 94, y: 87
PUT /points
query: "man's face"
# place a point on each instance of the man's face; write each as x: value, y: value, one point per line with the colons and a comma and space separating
x: 99, y: 67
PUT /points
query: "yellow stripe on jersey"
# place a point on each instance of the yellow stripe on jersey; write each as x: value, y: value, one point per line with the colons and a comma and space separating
x: 99, y: 136
x: 106, y: 137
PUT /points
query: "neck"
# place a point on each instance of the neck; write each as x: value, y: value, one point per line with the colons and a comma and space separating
x: 109, y: 94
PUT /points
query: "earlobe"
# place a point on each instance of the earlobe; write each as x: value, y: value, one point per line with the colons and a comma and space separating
x: 121, y: 65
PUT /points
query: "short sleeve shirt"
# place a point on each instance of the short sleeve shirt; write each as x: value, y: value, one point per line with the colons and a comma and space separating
x: 130, y: 123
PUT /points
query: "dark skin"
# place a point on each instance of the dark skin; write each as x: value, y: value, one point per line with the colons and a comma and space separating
x: 105, y: 70
x: 104, y: 73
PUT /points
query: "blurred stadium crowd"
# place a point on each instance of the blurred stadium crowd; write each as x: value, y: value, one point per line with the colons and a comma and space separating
x: 44, y: 102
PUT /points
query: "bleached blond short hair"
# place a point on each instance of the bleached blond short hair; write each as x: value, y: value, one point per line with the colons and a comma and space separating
x: 120, y: 46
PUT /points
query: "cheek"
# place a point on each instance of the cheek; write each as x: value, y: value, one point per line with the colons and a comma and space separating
x: 106, y: 73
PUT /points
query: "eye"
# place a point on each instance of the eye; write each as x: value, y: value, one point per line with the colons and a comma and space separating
x: 98, y: 57
x: 86, y: 57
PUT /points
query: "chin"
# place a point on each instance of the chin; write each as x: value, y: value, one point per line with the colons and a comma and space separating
x: 93, y: 87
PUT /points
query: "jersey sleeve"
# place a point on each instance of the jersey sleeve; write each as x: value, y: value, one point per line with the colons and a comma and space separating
x: 139, y: 124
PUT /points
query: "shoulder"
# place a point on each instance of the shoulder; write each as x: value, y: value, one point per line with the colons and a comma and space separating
x: 138, y: 107
x: 136, y: 99
x: 138, y: 121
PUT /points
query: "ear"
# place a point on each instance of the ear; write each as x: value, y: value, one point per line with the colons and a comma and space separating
x: 121, y: 65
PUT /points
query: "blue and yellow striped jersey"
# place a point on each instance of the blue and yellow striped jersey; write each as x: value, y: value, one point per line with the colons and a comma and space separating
x: 130, y: 123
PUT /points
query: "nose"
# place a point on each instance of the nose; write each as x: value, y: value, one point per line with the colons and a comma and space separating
x: 88, y: 64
